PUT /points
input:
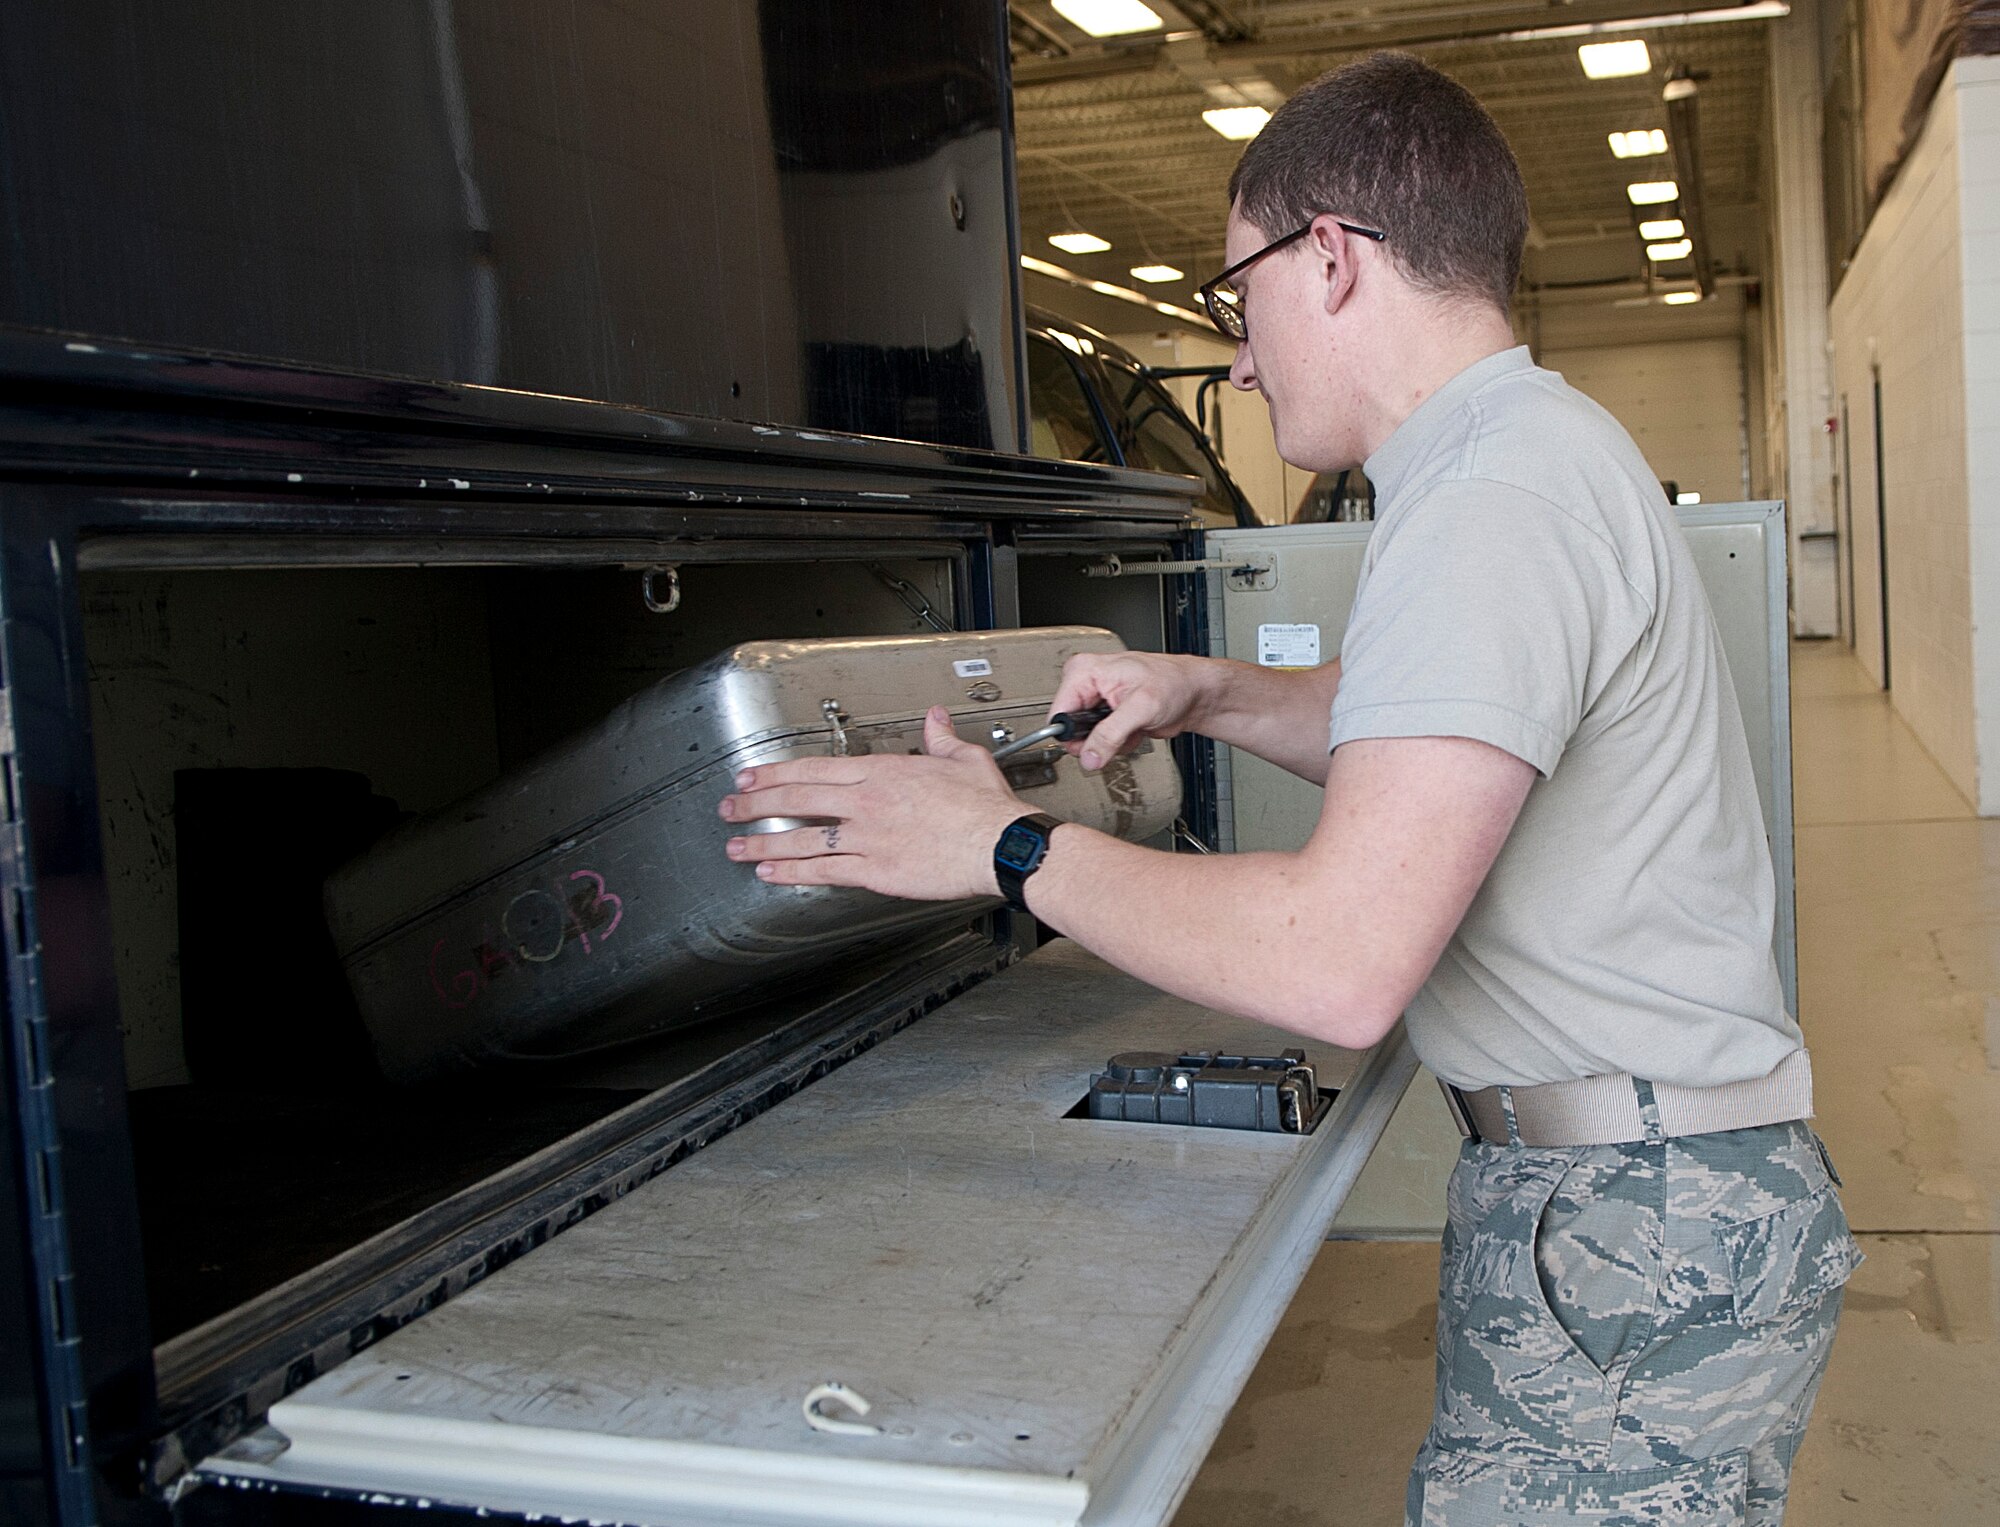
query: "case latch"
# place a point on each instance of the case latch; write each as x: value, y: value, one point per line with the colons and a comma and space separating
x: 837, y: 719
x: 1026, y: 771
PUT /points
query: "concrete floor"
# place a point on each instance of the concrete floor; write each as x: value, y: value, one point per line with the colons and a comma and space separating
x: 1899, y: 986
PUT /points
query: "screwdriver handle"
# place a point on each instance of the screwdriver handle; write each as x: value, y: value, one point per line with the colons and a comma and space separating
x: 1063, y: 727
x: 1072, y: 724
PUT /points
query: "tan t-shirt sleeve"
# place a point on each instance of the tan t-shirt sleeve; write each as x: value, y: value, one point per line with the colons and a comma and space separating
x: 1485, y: 612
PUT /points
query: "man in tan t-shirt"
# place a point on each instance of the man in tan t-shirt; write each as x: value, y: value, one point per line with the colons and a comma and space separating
x: 1540, y: 826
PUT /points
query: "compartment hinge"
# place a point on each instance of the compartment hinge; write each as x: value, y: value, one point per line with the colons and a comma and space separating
x: 1254, y: 575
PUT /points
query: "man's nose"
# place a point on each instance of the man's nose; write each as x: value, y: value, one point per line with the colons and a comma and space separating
x: 1243, y: 370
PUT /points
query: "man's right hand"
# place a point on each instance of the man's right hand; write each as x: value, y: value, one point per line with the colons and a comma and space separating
x: 1278, y: 715
x: 1151, y: 694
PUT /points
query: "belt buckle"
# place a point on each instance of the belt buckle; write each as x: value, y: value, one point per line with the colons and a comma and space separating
x: 1454, y: 1102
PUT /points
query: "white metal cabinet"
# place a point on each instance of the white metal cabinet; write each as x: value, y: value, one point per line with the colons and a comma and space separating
x: 1050, y: 1316
x: 1313, y: 571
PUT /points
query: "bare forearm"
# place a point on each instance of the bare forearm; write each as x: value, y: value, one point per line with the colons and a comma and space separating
x: 1409, y: 828
x: 1245, y: 933
x: 1282, y: 716
x: 1332, y: 941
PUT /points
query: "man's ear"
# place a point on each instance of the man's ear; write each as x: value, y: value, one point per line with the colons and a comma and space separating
x: 1334, y: 248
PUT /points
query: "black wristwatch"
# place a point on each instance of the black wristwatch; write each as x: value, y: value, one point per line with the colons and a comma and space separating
x: 1019, y: 853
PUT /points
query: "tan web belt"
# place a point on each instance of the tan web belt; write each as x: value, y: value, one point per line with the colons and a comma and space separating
x: 1612, y: 1110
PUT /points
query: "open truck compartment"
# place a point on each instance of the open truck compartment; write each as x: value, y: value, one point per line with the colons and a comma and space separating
x: 255, y: 729
x: 228, y: 684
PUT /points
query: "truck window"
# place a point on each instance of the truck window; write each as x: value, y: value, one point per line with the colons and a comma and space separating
x: 1061, y: 422
x: 1163, y: 438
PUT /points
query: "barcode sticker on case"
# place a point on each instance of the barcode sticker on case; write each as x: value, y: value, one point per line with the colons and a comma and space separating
x: 972, y: 668
x: 1288, y: 646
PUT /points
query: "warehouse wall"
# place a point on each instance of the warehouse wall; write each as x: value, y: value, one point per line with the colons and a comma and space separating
x: 1905, y: 312
x: 1683, y: 403
x: 1977, y: 87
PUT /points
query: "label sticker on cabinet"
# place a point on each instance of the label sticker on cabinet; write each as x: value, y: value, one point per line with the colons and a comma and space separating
x: 972, y: 667
x: 1288, y: 646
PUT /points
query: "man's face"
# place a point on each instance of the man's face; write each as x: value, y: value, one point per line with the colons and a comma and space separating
x: 1291, y: 356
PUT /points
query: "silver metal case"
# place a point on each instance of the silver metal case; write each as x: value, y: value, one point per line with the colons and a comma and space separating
x: 584, y: 899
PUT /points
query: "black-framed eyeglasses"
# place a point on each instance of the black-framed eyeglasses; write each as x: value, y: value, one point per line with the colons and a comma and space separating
x: 1225, y: 303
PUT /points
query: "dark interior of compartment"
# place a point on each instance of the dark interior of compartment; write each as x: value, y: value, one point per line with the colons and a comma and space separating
x: 254, y: 729
x: 241, y: 1190
x: 263, y: 999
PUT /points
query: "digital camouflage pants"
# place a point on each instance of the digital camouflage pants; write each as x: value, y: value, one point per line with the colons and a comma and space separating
x: 1631, y: 1334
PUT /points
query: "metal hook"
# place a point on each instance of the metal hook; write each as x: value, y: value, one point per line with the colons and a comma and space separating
x: 654, y: 603
x: 838, y: 1394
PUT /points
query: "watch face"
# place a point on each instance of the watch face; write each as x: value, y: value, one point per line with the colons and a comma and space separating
x: 1018, y: 847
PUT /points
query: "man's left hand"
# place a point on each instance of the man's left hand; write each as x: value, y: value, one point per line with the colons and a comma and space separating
x: 916, y: 826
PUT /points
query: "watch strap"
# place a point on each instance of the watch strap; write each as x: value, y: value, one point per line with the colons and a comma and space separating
x: 1018, y: 853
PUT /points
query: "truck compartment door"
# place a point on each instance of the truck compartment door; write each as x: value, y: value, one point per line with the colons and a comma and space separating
x: 996, y: 1311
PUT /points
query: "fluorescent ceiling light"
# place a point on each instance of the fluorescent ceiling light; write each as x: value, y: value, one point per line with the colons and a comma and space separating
x: 1157, y: 273
x: 1106, y: 289
x: 1638, y: 144
x: 1108, y: 18
x: 1680, y: 299
x: 1662, y: 228
x: 1652, y: 193
x: 1686, y: 498
x: 1678, y: 250
x: 1237, y: 122
x: 1079, y: 243
x: 1615, y: 60
x: 1763, y: 10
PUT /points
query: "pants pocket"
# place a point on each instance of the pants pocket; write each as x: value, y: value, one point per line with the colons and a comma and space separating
x: 1512, y: 1380
x: 1598, y: 1248
x: 1788, y: 1262
x: 1464, y: 1490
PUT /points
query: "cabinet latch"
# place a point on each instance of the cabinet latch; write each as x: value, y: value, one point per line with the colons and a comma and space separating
x: 1250, y: 575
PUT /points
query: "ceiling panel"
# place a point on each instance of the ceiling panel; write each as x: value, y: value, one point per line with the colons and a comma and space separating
x: 1119, y: 147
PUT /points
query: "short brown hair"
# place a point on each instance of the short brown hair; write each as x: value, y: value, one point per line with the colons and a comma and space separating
x: 1393, y: 143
